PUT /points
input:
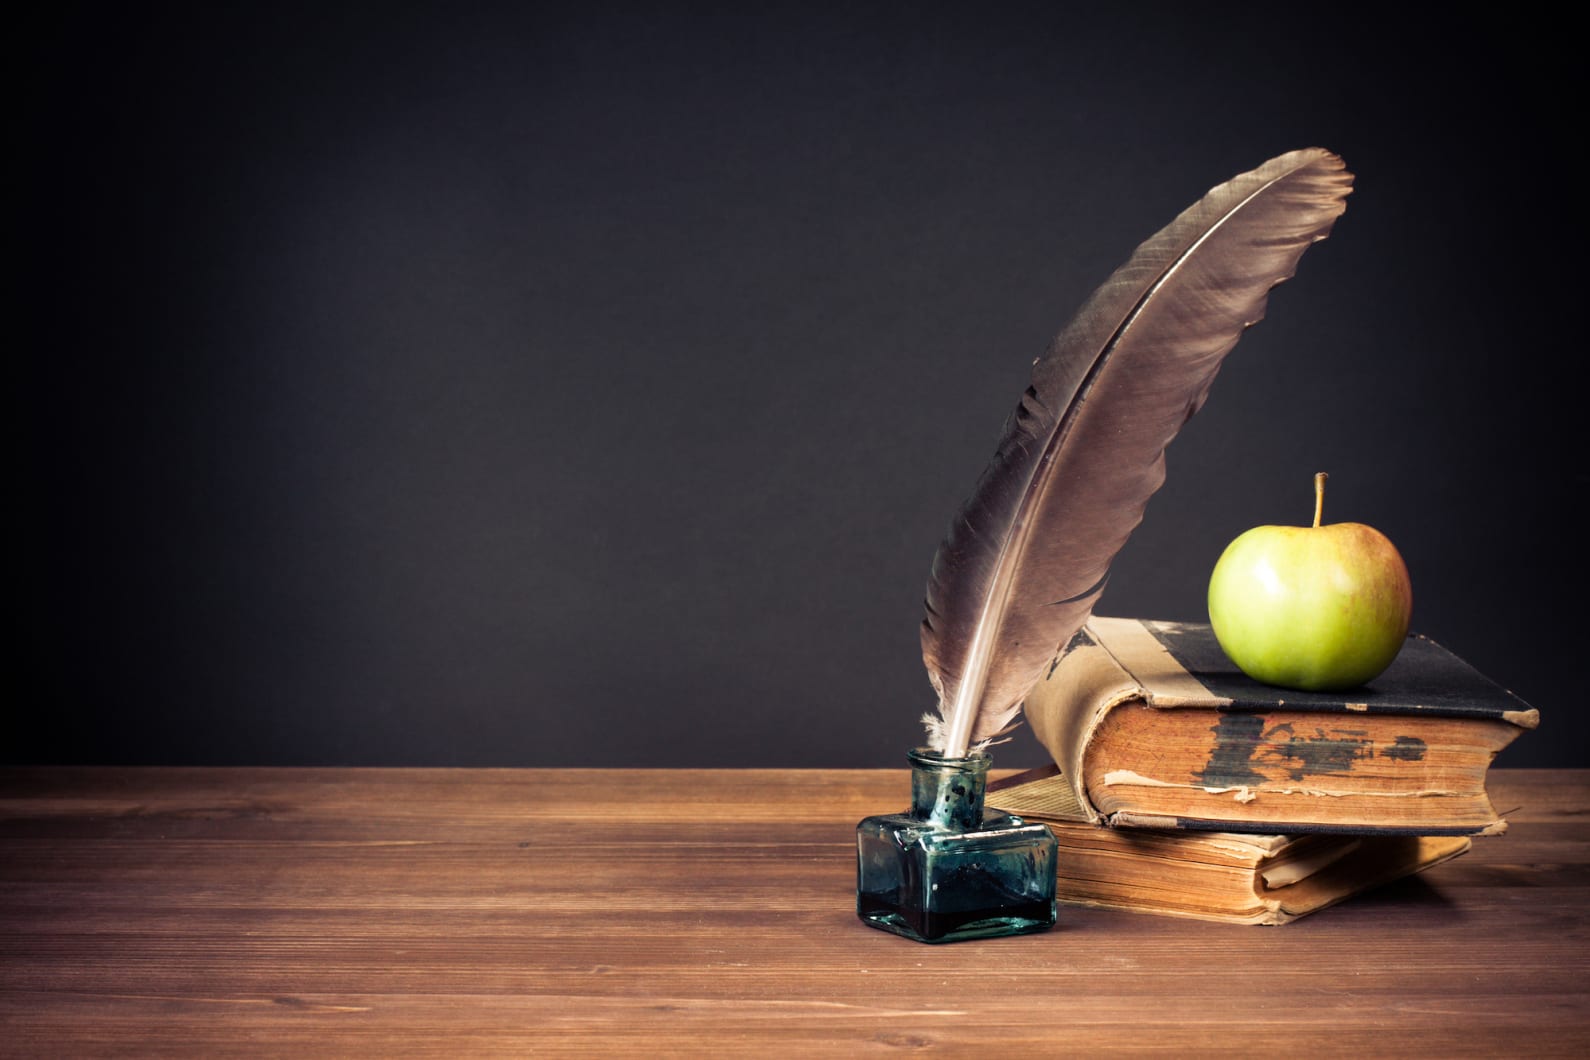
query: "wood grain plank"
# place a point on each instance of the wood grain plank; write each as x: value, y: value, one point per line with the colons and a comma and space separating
x: 193, y: 912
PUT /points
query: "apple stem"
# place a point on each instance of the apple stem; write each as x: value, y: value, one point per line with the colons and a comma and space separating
x: 1319, y: 496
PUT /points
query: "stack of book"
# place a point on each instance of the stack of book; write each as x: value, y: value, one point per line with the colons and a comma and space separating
x: 1181, y: 786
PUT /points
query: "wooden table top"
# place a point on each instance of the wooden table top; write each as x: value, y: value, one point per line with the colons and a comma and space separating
x: 215, y: 912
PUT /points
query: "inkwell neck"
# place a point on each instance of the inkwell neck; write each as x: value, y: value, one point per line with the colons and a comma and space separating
x: 948, y: 791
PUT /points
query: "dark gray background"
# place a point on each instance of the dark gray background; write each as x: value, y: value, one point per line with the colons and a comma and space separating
x: 521, y: 386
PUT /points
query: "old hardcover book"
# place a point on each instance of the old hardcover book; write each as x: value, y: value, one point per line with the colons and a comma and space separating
x: 1153, y: 727
x: 1223, y: 876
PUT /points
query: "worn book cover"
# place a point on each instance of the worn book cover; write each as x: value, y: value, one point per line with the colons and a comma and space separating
x: 1221, y: 876
x: 1152, y: 726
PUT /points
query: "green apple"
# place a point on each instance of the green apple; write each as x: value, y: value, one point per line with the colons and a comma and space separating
x: 1317, y: 608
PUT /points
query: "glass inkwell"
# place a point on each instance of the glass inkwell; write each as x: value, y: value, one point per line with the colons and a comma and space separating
x: 947, y: 869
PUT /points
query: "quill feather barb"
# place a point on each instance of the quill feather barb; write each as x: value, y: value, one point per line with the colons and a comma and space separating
x: 1028, y: 553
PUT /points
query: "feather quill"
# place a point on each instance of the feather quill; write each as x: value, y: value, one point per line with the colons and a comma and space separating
x: 1029, y: 552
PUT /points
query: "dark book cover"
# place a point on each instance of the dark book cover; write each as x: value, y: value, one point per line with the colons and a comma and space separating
x: 1424, y: 678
